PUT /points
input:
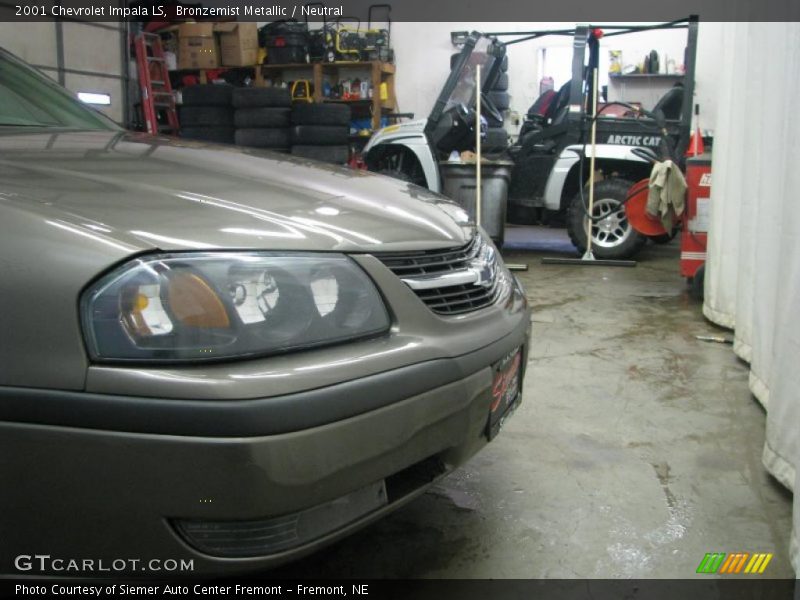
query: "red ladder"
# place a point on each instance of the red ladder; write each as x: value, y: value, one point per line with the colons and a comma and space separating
x: 157, y: 97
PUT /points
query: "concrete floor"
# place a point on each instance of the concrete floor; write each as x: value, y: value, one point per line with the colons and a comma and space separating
x: 637, y: 448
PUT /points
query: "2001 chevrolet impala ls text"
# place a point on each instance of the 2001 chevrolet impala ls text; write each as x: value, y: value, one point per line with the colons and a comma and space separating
x: 228, y: 356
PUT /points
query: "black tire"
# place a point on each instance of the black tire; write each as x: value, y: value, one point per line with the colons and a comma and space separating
x: 206, y: 116
x: 496, y: 139
x: 521, y: 215
x: 262, y: 97
x: 320, y: 135
x: 320, y: 114
x: 245, y: 118
x: 501, y: 85
x: 220, y: 135
x: 501, y: 100
x: 207, y: 94
x: 697, y: 283
x: 330, y: 154
x: 263, y: 138
x: 396, y: 174
x: 399, y: 163
x: 492, y: 122
x: 620, y: 240
x: 503, y: 66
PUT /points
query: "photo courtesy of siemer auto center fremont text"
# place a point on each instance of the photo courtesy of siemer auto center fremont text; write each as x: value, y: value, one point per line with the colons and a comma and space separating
x: 403, y: 300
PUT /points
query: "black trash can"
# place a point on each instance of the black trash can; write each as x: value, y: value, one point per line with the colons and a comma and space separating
x: 458, y: 183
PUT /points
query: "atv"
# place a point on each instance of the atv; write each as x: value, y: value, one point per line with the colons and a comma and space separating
x: 550, y: 172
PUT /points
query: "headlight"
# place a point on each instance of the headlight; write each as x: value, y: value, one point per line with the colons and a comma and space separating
x: 199, y: 306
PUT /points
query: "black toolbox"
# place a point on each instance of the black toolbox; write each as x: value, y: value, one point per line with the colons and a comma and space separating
x: 286, y: 42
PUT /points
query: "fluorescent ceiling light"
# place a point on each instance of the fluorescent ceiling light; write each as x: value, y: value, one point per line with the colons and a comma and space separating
x: 92, y: 98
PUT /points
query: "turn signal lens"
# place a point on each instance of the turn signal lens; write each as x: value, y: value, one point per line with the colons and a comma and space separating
x: 143, y: 314
x: 194, y: 303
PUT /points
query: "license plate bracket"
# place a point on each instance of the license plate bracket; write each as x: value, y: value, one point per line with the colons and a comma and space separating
x: 506, y: 391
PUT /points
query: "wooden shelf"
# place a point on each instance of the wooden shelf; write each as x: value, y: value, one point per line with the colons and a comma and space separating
x: 195, y: 69
x: 266, y: 66
x: 380, y: 72
x: 645, y: 76
x: 387, y: 68
x: 349, y: 64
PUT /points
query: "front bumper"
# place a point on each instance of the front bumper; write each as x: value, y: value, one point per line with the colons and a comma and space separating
x: 91, y: 484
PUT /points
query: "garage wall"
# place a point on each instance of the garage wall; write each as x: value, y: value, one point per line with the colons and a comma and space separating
x: 423, y: 57
x: 84, y: 57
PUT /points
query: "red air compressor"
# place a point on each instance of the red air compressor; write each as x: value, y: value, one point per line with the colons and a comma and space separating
x: 696, y: 221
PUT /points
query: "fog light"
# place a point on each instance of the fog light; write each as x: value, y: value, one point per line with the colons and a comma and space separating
x: 241, y: 539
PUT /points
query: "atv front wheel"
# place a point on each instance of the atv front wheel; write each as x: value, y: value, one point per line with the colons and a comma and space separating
x: 612, y: 236
x: 396, y: 174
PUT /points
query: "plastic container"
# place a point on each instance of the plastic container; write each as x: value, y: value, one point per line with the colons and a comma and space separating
x: 458, y: 183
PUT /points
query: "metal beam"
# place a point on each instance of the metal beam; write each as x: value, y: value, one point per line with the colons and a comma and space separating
x: 688, y: 89
x: 80, y: 72
x: 617, y: 29
x: 60, y: 52
x: 89, y: 23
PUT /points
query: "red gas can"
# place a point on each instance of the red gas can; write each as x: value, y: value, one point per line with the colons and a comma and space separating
x: 696, y: 218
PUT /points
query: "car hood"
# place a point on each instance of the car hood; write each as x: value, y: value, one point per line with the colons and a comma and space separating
x: 150, y: 192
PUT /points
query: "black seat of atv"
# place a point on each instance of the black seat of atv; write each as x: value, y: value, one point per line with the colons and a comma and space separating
x: 549, y: 109
x: 542, y: 104
x: 549, y: 103
x: 558, y: 108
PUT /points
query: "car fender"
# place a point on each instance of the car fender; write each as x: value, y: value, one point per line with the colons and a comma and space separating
x: 410, y: 135
x: 569, y: 157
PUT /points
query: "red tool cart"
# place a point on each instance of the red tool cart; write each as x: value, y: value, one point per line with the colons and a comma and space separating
x: 696, y: 221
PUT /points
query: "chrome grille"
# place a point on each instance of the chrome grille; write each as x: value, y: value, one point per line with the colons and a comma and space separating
x: 458, y: 299
x: 451, y: 281
x: 429, y: 262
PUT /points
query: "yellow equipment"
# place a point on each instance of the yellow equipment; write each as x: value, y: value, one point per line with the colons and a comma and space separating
x: 301, y: 91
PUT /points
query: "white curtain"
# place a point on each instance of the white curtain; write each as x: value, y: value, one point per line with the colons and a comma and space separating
x: 753, y: 269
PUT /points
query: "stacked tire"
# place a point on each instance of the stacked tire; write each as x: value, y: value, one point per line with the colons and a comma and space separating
x: 496, y: 135
x: 206, y: 113
x: 321, y: 132
x: 263, y: 117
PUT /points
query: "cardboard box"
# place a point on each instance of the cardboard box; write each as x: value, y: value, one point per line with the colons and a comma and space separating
x: 197, y: 46
x: 238, y: 43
